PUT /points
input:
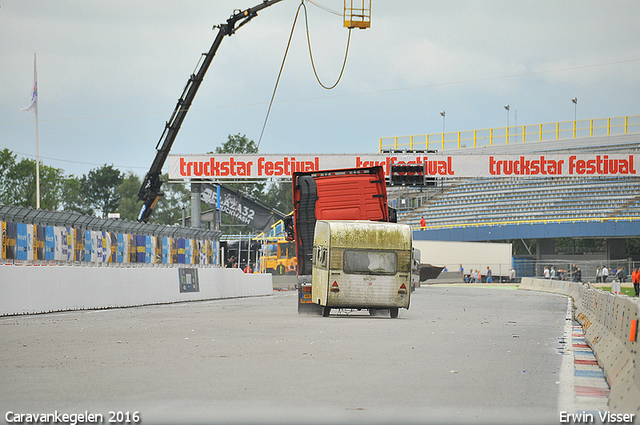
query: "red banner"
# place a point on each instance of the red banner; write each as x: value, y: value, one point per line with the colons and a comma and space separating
x: 255, y: 166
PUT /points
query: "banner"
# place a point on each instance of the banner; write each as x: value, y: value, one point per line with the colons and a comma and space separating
x: 235, y: 205
x: 255, y: 166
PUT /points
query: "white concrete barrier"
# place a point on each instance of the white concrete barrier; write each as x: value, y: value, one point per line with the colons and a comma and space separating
x: 42, y: 289
x: 611, y: 329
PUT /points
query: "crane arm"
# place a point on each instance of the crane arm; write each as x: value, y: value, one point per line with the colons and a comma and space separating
x: 150, y: 191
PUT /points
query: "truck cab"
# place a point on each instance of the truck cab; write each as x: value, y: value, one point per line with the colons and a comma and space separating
x: 343, y: 194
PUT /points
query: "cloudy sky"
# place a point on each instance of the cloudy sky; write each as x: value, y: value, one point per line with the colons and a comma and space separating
x: 110, y: 73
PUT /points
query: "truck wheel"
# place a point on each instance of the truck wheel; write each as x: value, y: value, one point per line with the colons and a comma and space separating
x: 393, y: 312
x: 325, y: 311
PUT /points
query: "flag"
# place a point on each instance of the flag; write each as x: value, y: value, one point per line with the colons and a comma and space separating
x: 33, y: 107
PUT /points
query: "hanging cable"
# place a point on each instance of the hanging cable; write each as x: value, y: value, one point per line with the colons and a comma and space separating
x: 346, y: 53
x: 325, y: 8
x: 273, y: 95
x: 275, y: 88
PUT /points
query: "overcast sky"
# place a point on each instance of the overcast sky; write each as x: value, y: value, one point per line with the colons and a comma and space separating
x: 111, y: 72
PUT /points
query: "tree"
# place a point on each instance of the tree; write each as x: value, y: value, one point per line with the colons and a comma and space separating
x: 18, y: 182
x: 238, y: 144
x: 101, y: 188
x: 129, y: 207
x: 74, y: 197
x: 168, y: 210
x: 278, y: 195
x: 7, y: 161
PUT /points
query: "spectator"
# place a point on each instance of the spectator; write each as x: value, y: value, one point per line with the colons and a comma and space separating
x: 553, y: 273
x: 635, y: 276
x: 546, y: 272
x: 598, y: 275
x: 605, y: 274
x: 423, y: 223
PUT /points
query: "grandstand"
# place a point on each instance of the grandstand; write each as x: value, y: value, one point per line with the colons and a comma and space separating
x: 525, y: 199
x: 461, y: 202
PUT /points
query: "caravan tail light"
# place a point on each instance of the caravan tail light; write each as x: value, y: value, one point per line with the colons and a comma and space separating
x: 403, y: 289
x: 334, y: 287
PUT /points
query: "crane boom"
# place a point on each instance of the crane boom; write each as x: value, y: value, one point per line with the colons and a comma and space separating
x: 150, y: 190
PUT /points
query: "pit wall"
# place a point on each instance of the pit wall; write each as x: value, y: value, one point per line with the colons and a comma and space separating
x: 43, y: 289
x: 611, y: 329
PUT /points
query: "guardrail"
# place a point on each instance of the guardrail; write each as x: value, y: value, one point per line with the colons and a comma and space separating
x: 610, y: 325
x: 514, y: 134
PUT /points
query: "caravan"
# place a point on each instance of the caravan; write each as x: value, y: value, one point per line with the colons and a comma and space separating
x: 361, y: 265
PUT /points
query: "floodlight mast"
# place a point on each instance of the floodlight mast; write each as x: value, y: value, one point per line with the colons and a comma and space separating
x: 150, y: 190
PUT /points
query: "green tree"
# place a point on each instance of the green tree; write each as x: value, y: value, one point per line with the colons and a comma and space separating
x: 101, y: 188
x: 168, y: 210
x: 237, y: 144
x: 278, y: 195
x: 74, y: 196
x: 7, y: 162
x: 129, y: 207
x: 18, y: 185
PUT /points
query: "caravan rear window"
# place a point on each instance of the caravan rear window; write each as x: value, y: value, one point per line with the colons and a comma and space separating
x: 370, y: 262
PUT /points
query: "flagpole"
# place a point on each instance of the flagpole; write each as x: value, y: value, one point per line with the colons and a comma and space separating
x: 33, y: 107
x: 35, y: 77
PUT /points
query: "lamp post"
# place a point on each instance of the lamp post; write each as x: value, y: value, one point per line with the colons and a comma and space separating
x: 507, y: 109
x: 443, y: 113
x: 575, y: 114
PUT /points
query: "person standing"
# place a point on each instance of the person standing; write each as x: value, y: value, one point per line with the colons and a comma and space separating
x: 489, y: 275
x: 605, y: 274
x: 512, y: 275
x: 546, y: 273
x: 423, y: 223
x: 553, y: 273
x: 598, y: 275
x: 635, y: 276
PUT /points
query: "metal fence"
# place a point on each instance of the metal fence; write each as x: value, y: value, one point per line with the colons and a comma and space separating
x: 514, y: 134
x: 42, y: 237
x: 566, y: 269
x: 10, y: 213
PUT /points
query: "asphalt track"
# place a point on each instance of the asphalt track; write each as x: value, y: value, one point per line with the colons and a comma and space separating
x: 458, y: 355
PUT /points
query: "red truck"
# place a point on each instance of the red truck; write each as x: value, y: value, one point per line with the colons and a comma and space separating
x: 346, y: 194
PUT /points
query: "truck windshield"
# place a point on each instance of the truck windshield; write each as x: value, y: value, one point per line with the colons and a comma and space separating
x: 370, y: 262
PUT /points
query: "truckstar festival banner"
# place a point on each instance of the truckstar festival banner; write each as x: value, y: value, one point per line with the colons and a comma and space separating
x: 254, y: 166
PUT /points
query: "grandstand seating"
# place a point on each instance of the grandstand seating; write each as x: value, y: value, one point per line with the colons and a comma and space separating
x: 491, y: 200
x: 525, y: 199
